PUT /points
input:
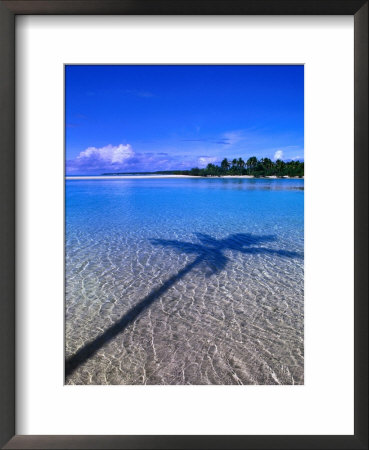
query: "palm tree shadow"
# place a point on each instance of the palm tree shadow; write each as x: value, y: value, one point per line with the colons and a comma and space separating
x: 208, y: 256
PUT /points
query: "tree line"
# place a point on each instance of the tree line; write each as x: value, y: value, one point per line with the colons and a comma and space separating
x: 257, y: 167
x: 253, y: 166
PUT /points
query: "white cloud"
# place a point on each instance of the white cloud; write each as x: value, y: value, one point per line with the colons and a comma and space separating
x: 203, y: 161
x: 278, y: 154
x: 121, y: 158
x: 108, y: 154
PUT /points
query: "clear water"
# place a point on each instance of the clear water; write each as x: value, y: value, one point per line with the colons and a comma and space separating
x: 184, y: 281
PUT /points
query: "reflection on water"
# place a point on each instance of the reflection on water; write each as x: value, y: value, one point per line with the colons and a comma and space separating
x: 160, y: 292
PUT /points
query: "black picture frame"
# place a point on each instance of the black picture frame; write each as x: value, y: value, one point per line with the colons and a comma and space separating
x: 8, y: 12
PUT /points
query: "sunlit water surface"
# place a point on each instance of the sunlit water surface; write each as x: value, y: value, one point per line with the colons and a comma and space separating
x: 184, y: 281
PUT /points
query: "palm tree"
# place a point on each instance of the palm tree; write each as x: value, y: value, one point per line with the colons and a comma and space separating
x: 225, y: 164
x: 251, y: 163
x: 280, y: 166
x: 262, y: 167
x: 267, y: 163
x: 241, y: 163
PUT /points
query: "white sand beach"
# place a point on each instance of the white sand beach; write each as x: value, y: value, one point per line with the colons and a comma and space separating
x: 135, y: 177
x: 237, y: 176
x: 115, y: 177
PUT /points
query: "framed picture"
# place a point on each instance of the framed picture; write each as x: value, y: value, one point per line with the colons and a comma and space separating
x: 189, y: 254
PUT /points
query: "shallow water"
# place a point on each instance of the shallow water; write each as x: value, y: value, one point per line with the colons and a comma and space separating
x: 184, y: 281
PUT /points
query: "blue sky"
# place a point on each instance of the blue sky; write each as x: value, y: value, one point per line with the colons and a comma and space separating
x: 148, y: 118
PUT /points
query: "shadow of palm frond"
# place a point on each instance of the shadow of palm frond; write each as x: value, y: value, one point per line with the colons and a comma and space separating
x: 211, y: 250
x: 209, y: 256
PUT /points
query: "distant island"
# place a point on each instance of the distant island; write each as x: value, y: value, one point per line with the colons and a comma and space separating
x: 263, y: 167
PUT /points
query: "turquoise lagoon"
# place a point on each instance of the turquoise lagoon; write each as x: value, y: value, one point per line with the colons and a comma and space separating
x: 184, y: 281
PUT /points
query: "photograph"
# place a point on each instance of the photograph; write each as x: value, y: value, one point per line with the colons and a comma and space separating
x: 184, y: 224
